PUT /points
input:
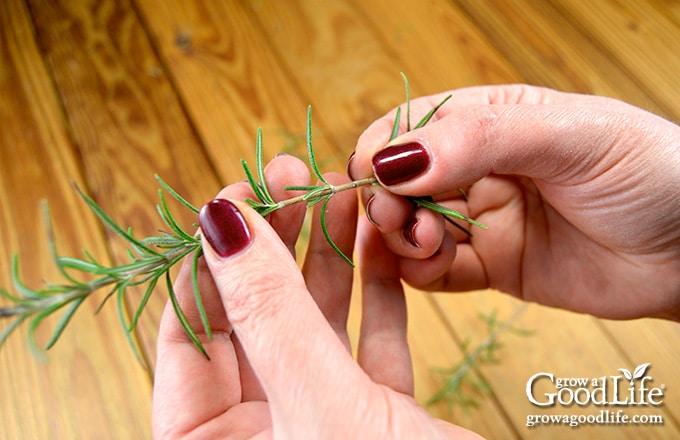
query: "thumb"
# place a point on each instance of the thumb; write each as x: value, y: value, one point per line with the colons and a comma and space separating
x: 521, y: 130
x: 290, y: 346
x: 550, y: 142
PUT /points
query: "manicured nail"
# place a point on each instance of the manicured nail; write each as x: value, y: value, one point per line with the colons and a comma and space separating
x: 399, y: 163
x: 225, y: 228
x: 349, y: 163
x: 368, y: 212
x: 409, y: 231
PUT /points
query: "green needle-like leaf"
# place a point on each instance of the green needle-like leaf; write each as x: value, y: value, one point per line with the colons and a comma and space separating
x: 120, y: 301
x: 197, y: 294
x: 145, y: 299
x: 408, y: 101
x: 11, y: 327
x: 330, y: 241
x: 431, y: 113
x: 104, y: 217
x: 395, y: 127
x: 176, y: 195
x: 251, y: 180
x: 183, y: 319
x: 169, y: 220
x: 420, y: 201
x: 63, y: 322
x: 310, y: 149
x: 259, y: 166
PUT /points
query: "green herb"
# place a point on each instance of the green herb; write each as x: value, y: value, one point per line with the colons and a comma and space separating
x: 152, y: 257
x: 465, y: 378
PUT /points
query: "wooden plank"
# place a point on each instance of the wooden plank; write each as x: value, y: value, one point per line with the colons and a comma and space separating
x: 549, y: 50
x: 83, y: 391
x: 431, y: 353
x: 653, y: 341
x: 642, y: 38
x: 567, y: 345
x: 337, y: 60
x: 127, y: 122
x: 232, y: 83
x: 238, y: 68
x: 437, y: 45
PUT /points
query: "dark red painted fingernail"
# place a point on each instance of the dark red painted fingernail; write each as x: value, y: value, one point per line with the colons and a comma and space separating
x: 349, y: 163
x: 399, y: 163
x: 409, y: 231
x: 225, y: 228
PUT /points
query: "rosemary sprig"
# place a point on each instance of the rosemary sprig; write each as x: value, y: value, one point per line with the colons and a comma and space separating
x: 152, y: 257
x: 467, y: 372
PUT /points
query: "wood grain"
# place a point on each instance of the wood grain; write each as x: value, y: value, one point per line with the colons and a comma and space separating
x: 549, y: 49
x: 86, y: 388
x: 126, y: 121
x: 107, y: 94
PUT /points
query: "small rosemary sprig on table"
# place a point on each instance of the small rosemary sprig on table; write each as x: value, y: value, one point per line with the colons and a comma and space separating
x: 151, y: 258
x: 467, y: 372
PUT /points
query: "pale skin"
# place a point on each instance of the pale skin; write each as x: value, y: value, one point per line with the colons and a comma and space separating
x: 286, y: 336
x: 580, y: 194
x: 580, y: 197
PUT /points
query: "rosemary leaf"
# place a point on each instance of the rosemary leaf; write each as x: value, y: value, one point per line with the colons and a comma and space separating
x: 183, y: 319
x: 322, y: 219
x: 120, y: 301
x: 104, y: 217
x: 395, y: 127
x: 20, y: 287
x: 169, y: 220
x: 310, y: 149
x: 145, y: 299
x: 197, y: 293
x: 175, y: 194
x: 425, y: 203
x: 408, y: 101
x: 431, y: 113
x: 61, y: 325
x: 259, y: 166
x: 251, y: 180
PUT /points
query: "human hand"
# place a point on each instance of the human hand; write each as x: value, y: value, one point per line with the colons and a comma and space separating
x: 581, y: 195
x: 280, y: 359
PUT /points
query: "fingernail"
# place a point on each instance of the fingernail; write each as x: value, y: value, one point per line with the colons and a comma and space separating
x: 349, y: 163
x: 399, y: 163
x: 225, y: 228
x: 368, y: 212
x: 409, y: 231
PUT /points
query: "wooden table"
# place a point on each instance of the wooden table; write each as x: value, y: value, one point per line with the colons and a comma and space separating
x: 106, y: 94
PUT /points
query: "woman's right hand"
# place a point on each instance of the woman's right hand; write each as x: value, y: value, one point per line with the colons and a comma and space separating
x: 581, y: 195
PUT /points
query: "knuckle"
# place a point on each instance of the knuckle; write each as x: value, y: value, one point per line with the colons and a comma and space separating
x: 254, y: 296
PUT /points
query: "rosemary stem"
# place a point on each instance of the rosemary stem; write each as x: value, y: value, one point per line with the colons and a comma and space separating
x: 84, y: 289
x: 326, y: 191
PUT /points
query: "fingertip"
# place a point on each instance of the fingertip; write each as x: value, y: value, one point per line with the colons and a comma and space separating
x: 372, y: 140
x: 386, y: 211
x: 428, y: 273
x: 419, y: 237
x: 224, y: 228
